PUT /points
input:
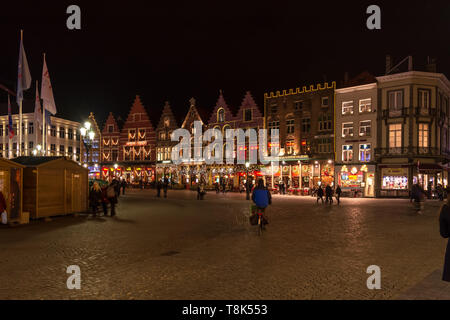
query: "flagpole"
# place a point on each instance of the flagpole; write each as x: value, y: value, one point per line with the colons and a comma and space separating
x: 36, y: 121
x: 44, y: 133
x: 20, y: 110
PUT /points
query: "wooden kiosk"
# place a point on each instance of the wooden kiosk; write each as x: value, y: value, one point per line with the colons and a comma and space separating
x: 53, y: 186
x: 11, y: 177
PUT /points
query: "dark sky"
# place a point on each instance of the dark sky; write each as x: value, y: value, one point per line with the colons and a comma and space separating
x: 167, y: 50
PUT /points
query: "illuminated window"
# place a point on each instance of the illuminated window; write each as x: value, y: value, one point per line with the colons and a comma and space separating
x: 395, y: 135
x: 347, y: 107
x: 365, y: 105
x: 423, y: 135
x: 365, y: 128
x: 364, y: 152
x: 347, y: 153
x: 347, y: 129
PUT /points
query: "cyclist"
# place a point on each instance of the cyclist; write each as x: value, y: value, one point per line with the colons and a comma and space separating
x: 262, y: 198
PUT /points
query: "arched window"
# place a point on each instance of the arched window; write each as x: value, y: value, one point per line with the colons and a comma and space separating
x: 221, y: 115
x: 225, y: 127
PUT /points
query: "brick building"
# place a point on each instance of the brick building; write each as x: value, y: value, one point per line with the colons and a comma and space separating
x: 305, y: 119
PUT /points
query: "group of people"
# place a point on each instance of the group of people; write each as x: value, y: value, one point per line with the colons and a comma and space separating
x: 105, y: 195
x: 328, y: 194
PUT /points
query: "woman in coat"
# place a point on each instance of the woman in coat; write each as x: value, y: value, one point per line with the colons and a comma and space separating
x: 95, y: 197
x: 444, y: 222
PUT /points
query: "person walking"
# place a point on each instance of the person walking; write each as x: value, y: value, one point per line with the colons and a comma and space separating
x: 444, y: 229
x: 116, y: 185
x: 418, y: 194
x: 112, y: 197
x: 104, y: 200
x: 216, y: 186
x: 338, y: 194
x: 158, y: 188
x: 123, y: 185
x: 3, y: 213
x: 319, y: 194
x: 95, y: 196
x: 165, y: 186
x: 200, y: 191
x: 328, y: 194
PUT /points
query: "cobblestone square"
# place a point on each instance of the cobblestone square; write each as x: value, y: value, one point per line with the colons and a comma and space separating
x: 182, y: 248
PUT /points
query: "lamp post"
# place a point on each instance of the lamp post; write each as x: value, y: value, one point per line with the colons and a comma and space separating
x: 247, y: 164
x: 87, y: 136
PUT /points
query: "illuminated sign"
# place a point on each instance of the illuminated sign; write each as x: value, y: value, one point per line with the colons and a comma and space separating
x: 136, y: 143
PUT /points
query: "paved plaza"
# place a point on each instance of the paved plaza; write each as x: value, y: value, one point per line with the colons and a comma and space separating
x: 182, y: 248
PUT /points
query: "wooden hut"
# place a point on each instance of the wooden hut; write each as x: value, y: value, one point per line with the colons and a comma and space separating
x: 53, y: 186
x: 11, y: 177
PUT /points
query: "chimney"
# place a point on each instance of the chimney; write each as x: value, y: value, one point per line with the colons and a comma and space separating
x: 431, y: 65
x: 410, y: 63
x: 388, y: 63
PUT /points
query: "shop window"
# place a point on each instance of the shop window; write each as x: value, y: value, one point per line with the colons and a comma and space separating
x: 347, y: 153
x: 347, y: 107
x: 365, y: 105
x: 364, y: 152
x: 347, y: 129
x: 365, y: 128
x: 290, y: 125
x: 395, y: 135
x: 423, y: 135
x: 395, y: 182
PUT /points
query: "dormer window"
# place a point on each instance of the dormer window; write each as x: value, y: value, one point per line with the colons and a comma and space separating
x: 221, y: 115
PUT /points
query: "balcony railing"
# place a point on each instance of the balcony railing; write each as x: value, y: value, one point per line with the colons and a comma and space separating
x: 393, y: 113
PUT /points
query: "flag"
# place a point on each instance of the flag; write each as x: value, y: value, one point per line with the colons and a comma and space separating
x: 46, y: 90
x: 37, y: 108
x: 23, y: 74
x: 10, y: 122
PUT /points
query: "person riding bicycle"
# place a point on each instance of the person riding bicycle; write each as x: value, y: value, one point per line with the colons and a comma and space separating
x: 262, y: 198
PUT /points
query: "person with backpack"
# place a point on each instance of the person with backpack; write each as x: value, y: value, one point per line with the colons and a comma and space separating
x: 262, y: 198
x: 112, y: 197
x: 319, y: 194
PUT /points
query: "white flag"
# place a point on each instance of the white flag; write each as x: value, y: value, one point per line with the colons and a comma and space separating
x: 37, y: 108
x: 46, y: 90
x: 23, y: 74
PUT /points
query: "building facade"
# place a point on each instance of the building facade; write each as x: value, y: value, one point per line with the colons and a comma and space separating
x: 305, y: 119
x: 164, y: 166
x: 356, y: 138
x: 413, y: 144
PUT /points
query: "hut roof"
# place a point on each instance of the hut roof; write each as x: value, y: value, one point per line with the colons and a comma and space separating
x: 34, y: 161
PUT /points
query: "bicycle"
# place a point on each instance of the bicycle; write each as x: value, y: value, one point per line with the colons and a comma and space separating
x: 260, y: 213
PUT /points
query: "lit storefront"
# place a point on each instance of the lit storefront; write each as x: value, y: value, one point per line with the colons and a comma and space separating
x: 356, y: 179
x: 132, y: 174
x: 394, y: 181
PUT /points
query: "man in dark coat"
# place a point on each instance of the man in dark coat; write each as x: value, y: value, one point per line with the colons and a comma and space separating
x: 328, y: 194
x: 338, y: 194
x: 320, y: 194
x: 165, y: 186
x: 158, y: 188
x: 444, y: 223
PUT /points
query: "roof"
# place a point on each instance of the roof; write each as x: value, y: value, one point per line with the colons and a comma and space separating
x: 34, y: 161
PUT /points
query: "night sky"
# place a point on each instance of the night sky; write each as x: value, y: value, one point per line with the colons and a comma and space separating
x: 165, y: 50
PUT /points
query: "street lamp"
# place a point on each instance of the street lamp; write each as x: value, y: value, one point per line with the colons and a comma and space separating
x: 87, y: 136
x: 247, y: 164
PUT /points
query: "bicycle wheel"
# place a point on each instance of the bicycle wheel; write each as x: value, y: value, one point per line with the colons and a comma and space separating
x: 260, y: 226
